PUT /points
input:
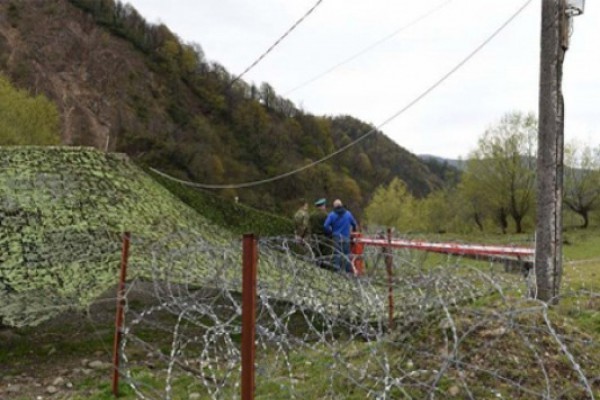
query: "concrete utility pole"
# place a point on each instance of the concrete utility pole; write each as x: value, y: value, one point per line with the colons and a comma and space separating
x: 556, y: 17
x: 548, y: 246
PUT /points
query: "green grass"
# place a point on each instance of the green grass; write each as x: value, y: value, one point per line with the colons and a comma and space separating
x: 311, y: 375
x: 73, y: 337
x: 578, y: 244
x: 581, y: 244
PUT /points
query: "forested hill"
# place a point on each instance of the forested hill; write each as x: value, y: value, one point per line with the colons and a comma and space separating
x: 122, y: 84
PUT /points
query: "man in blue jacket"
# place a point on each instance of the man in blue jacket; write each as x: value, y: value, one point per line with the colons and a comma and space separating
x: 338, y: 224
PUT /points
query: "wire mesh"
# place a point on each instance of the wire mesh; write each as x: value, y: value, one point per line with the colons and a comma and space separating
x: 460, y: 329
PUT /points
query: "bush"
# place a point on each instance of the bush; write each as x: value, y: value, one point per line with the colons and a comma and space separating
x: 26, y: 120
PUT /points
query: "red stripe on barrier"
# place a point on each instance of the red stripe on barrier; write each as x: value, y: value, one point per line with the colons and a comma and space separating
x: 453, y: 248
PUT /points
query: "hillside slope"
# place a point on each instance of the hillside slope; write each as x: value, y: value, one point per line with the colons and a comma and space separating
x: 124, y: 85
x: 62, y: 212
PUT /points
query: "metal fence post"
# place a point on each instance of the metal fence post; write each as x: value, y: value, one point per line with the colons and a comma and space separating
x: 119, y: 313
x: 356, y: 251
x: 389, y: 267
x: 249, y: 273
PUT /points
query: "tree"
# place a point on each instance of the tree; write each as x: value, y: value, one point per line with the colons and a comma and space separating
x: 267, y: 95
x: 582, y: 180
x: 392, y: 205
x: 476, y: 204
x: 26, y: 120
x: 446, y: 210
x: 348, y: 191
x: 502, y: 168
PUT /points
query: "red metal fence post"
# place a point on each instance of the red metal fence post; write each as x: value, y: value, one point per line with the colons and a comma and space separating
x: 119, y: 316
x: 389, y: 267
x: 250, y: 259
x: 356, y: 250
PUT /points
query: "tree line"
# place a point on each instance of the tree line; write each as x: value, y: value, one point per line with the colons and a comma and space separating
x: 495, y: 190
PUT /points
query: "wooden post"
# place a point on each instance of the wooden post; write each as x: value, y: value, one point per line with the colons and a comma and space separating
x: 389, y: 267
x: 249, y: 273
x: 119, y: 314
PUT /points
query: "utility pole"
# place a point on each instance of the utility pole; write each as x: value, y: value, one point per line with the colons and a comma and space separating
x: 548, y: 240
x: 556, y: 17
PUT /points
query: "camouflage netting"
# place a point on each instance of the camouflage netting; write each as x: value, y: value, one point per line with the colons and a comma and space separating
x: 62, y: 214
x: 62, y: 211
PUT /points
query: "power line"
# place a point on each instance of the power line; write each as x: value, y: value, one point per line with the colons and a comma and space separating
x: 365, y: 135
x: 263, y: 55
x: 370, y: 47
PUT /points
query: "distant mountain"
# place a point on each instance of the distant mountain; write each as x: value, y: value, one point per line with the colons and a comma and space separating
x: 122, y: 84
x: 447, y: 170
x: 428, y: 158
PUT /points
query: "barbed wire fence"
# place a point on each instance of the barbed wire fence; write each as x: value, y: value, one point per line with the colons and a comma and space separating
x: 457, y: 329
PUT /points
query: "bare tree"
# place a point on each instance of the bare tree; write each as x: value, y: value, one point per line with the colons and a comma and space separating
x: 582, y: 180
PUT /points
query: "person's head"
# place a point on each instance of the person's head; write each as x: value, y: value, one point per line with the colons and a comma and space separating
x: 303, y: 204
x: 337, y: 203
x: 321, y: 203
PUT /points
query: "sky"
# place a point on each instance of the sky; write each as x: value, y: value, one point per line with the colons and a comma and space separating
x: 502, y: 77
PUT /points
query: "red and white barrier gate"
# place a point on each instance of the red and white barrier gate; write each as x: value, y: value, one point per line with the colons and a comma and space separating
x: 509, y: 254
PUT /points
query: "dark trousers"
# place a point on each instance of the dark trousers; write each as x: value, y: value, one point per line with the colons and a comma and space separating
x: 341, y: 257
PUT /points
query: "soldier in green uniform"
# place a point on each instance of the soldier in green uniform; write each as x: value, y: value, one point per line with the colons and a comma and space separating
x: 317, y: 217
x: 301, y: 221
x: 321, y: 244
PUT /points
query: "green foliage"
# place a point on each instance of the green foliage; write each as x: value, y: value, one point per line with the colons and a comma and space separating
x: 387, y: 159
x: 200, y: 126
x: 500, y: 174
x: 441, y: 211
x: 496, y: 190
x: 26, y: 120
x: 237, y: 218
x: 394, y: 206
x: 444, y: 170
x: 444, y: 211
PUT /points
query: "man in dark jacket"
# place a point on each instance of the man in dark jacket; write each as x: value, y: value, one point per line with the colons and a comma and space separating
x: 339, y: 223
x: 318, y: 217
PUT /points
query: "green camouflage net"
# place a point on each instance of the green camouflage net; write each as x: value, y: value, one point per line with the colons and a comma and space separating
x: 62, y: 211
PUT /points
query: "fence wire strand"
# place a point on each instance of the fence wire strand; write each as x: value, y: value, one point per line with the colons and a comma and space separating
x: 461, y: 329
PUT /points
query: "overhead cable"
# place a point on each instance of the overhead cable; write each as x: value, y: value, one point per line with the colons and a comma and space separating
x: 365, y: 135
x: 263, y: 55
x: 370, y: 47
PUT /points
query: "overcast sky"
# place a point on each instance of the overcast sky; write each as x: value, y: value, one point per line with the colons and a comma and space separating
x: 503, y: 77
